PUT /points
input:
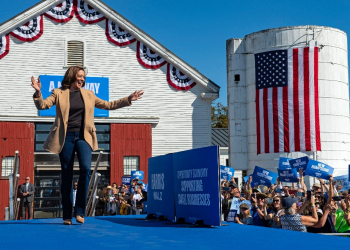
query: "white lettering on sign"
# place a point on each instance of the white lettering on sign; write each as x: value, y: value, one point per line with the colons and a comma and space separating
x: 264, y: 174
x: 52, y: 86
x: 320, y: 167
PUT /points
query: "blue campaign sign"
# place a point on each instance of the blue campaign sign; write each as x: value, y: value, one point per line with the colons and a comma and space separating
x: 346, y: 182
x: 263, y: 176
x: 236, y: 203
x: 318, y: 169
x: 99, y: 85
x: 126, y: 180
x: 245, y: 178
x: 288, y: 175
x: 299, y: 163
x: 226, y: 172
x: 137, y: 175
x: 160, y: 196
x: 196, y: 185
x: 284, y: 163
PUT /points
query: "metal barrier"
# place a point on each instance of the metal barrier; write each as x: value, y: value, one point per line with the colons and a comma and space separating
x: 13, y: 189
x: 93, y: 208
x: 95, y: 168
x: 336, y: 234
x: 93, y: 192
x: 16, y: 203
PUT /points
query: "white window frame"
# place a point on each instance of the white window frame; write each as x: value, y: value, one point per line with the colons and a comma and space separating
x: 131, y: 169
x: 4, y: 169
x: 66, y: 40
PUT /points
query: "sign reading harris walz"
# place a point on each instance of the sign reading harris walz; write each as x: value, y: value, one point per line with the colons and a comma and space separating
x: 99, y: 85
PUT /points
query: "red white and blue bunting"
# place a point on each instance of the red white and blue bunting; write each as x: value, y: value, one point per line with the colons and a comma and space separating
x: 4, y: 45
x: 117, y: 35
x: 64, y: 12
x: 61, y: 13
x: 30, y: 31
x: 178, y: 80
x: 87, y: 14
x: 148, y: 58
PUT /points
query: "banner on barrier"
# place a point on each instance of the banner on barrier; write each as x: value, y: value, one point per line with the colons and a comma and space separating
x: 137, y: 175
x: 288, y: 175
x: 126, y: 180
x: 196, y: 185
x: 226, y: 172
x: 299, y: 163
x: 318, y: 169
x: 263, y: 176
x: 160, y: 196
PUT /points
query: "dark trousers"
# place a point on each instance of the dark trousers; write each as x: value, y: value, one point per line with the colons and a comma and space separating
x: 75, y: 142
x: 26, y: 204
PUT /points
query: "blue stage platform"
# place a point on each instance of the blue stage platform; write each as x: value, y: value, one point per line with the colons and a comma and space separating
x: 124, y: 232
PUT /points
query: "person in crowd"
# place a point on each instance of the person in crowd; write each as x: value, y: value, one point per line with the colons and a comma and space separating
x: 291, y: 220
x: 74, y: 131
x: 112, y: 200
x: 342, y: 214
x: 244, y: 217
x: 258, y: 206
x: 26, y: 191
x: 275, y: 209
x: 114, y: 185
x: 136, y: 197
x: 101, y: 206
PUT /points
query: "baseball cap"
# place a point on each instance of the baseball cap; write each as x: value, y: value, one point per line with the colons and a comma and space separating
x: 244, y: 205
x: 316, y: 185
x: 288, y: 202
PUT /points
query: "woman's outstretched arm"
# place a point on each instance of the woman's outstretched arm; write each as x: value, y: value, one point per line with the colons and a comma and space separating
x: 126, y: 101
x: 38, y: 98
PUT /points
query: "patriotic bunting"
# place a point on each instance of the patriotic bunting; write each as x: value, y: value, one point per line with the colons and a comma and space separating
x: 61, y: 13
x: 4, y: 45
x: 117, y: 35
x: 30, y: 31
x: 178, y: 80
x: 148, y: 58
x: 87, y: 14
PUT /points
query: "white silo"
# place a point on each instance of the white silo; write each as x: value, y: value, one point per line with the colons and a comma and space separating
x: 333, y: 95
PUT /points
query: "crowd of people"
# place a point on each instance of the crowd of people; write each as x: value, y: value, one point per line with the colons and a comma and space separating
x: 123, y: 199
x: 324, y: 209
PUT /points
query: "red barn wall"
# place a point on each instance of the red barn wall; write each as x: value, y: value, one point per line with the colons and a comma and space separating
x: 16, y: 136
x: 130, y: 140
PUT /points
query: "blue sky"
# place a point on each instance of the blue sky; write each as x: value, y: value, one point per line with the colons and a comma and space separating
x: 197, y: 31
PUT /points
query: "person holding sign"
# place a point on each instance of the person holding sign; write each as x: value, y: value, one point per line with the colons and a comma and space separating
x: 74, y: 131
x: 258, y: 205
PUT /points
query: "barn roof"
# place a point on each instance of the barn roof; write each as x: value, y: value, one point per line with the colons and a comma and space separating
x: 111, y: 14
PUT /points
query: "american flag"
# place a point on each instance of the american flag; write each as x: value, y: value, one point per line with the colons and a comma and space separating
x: 287, y: 117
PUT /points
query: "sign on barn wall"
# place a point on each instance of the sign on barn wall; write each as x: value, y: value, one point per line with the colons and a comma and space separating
x: 99, y: 85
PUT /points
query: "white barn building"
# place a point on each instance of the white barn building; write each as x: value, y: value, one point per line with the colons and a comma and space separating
x: 174, y: 114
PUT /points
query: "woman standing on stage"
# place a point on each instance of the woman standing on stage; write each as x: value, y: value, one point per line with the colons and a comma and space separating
x: 74, y: 131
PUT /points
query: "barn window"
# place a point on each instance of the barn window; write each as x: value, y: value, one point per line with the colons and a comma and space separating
x: 7, y: 166
x: 75, y: 53
x: 131, y: 163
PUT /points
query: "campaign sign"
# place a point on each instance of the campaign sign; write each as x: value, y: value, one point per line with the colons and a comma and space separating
x: 284, y: 163
x: 160, y: 196
x: 226, y: 172
x: 288, y: 175
x: 137, y: 175
x: 346, y: 182
x: 318, y: 169
x: 196, y: 185
x: 263, y: 176
x: 126, y: 180
x: 99, y: 85
x: 299, y: 163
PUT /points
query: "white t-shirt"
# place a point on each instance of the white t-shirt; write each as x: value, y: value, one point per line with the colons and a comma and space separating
x: 136, y: 197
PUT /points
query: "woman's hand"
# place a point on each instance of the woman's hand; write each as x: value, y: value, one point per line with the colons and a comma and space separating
x: 136, y: 95
x: 36, y: 84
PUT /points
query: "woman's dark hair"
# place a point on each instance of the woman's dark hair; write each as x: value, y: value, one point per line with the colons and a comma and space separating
x: 70, y: 77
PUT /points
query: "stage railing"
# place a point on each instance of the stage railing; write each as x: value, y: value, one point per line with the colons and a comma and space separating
x: 93, y: 192
x: 95, y: 169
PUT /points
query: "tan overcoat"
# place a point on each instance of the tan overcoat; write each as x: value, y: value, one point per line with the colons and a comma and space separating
x: 55, y: 140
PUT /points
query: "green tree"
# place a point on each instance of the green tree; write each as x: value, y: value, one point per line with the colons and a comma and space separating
x: 219, y: 118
